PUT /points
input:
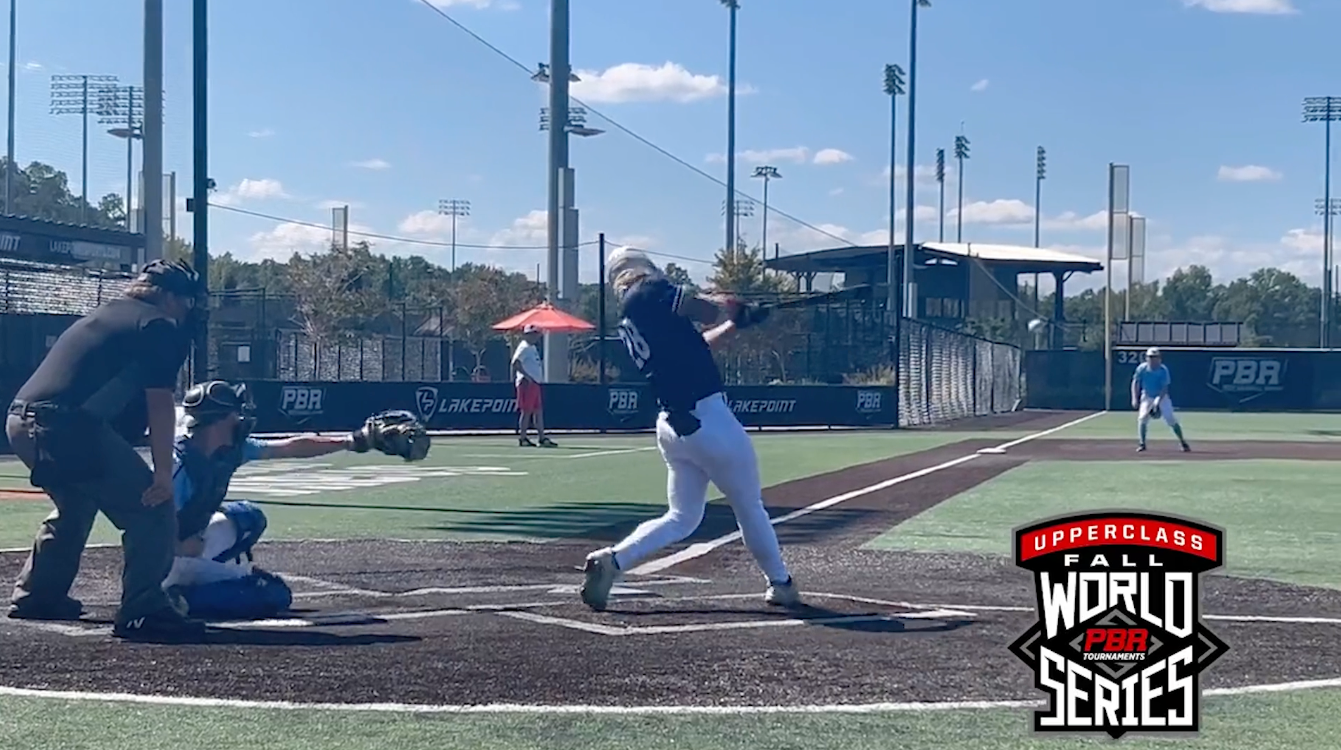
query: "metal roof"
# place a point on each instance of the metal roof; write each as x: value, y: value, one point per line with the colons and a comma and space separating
x: 1022, y: 259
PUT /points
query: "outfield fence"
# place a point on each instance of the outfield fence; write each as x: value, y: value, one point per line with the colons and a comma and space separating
x: 947, y: 375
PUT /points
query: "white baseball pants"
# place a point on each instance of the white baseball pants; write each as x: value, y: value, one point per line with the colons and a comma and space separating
x: 1166, y: 412
x: 219, y: 536
x: 720, y: 453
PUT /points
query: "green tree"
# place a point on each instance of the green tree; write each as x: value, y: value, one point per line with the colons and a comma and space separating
x: 1190, y: 295
x: 337, y: 291
x: 678, y: 275
x: 41, y: 191
x: 481, y: 296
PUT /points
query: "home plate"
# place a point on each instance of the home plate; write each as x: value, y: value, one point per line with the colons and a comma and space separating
x: 992, y: 451
x: 614, y: 591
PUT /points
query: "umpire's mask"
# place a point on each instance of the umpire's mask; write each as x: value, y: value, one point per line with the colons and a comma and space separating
x: 207, y: 403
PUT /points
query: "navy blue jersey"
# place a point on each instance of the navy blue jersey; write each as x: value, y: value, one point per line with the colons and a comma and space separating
x: 666, y: 347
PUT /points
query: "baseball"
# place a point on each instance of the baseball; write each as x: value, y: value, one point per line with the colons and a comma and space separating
x: 1035, y: 324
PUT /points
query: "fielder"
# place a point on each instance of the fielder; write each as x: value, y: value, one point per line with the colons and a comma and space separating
x: 212, y: 574
x: 698, y: 435
x: 1150, y: 395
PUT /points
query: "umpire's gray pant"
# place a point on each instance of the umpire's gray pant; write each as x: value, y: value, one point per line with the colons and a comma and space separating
x: 147, y: 534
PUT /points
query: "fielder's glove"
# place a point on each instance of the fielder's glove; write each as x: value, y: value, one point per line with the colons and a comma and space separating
x: 746, y: 314
x: 395, y: 433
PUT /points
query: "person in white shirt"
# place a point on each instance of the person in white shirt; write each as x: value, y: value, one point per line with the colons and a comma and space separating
x: 526, y: 373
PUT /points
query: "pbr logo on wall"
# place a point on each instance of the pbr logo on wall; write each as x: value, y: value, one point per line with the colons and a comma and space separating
x: 1119, y: 645
x: 1245, y: 379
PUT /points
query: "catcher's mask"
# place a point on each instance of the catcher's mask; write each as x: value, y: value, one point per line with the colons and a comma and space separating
x: 211, y: 402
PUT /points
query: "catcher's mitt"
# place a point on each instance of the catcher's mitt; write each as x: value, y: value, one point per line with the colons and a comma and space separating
x: 395, y: 433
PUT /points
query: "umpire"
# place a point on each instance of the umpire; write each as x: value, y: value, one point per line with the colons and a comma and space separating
x: 106, y: 380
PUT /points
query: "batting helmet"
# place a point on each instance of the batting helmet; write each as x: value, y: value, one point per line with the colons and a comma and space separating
x: 625, y: 259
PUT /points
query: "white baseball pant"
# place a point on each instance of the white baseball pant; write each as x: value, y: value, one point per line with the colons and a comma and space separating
x: 720, y: 453
x: 1166, y: 412
x: 219, y: 536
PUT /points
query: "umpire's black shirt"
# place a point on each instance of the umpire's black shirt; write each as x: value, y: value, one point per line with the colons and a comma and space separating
x: 102, y: 345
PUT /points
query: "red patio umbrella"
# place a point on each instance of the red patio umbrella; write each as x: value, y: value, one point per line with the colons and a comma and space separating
x: 547, y: 318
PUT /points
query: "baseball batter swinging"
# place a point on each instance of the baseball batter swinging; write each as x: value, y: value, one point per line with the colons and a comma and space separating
x: 210, y: 577
x: 1150, y: 395
x: 698, y: 435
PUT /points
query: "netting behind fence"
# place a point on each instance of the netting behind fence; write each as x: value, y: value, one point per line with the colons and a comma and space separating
x: 41, y: 289
x: 946, y: 375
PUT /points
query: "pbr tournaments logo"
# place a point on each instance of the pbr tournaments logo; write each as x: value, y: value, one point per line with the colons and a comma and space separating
x: 1119, y: 645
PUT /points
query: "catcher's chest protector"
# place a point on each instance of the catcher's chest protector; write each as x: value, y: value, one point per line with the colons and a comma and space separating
x: 209, y: 477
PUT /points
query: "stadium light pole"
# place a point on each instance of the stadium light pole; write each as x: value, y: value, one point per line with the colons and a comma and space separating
x: 940, y: 179
x: 910, y: 291
x: 1039, y: 175
x: 893, y: 89
x: 454, y: 207
x: 151, y: 151
x: 733, y: 6
x: 124, y: 107
x: 13, y: 83
x: 1325, y: 109
x: 767, y: 173
x: 201, y: 184
x: 77, y: 95
x: 741, y: 210
x: 1328, y: 208
x: 961, y: 155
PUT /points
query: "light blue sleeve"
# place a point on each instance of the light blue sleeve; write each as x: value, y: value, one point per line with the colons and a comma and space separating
x: 252, y: 450
x: 181, y: 484
x: 1140, y: 370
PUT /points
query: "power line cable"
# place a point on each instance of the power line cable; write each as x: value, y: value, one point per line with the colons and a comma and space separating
x: 625, y: 130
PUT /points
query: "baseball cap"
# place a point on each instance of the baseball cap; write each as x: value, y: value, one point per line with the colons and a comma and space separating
x: 531, y: 328
x: 1152, y: 352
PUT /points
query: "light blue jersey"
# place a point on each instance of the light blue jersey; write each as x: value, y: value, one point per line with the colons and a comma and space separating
x: 252, y: 449
x: 1153, y: 381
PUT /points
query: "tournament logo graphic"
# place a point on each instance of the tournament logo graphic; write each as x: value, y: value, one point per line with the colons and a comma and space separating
x: 426, y: 402
x: 1246, y: 378
x: 1119, y: 645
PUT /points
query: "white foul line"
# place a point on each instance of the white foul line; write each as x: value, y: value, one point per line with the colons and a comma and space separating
x: 514, y: 708
x: 702, y: 548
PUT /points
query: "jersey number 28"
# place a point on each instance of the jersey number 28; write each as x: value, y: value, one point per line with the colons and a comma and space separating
x: 639, y: 351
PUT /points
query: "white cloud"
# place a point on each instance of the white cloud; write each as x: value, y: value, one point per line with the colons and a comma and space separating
x: 32, y: 65
x: 1000, y: 211
x: 431, y: 223
x: 262, y: 133
x: 1308, y: 240
x: 980, y: 85
x: 836, y: 191
x: 531, y: 230
x: 1097, y: 221
x: 795, y: 154
x: 1260, y: 7
x: 1249, y: 173
x: 283, y: 240
x: 250, y: 190
x: 924, y: 174
x: 832, y: 156
x: 375, y: 164
x: 445, y: 4
x: 636, y: 82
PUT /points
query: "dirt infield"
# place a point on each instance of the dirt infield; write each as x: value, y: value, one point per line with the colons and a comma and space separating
x: 480, y: 623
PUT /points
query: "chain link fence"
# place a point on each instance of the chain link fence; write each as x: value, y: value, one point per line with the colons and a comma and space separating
x: 947, y: 375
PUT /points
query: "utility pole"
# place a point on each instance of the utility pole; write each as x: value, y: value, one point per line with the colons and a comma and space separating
x: 1329, y: 209
x: 732, y: 6
x: 454, y: 207
x: 940, y: 178
x: 767, y: 173
x: 1039, y: 175
x: 961, y: 155
x: 1325, y: 109
x: 77, y: 95
x: 910, y: 290
x: 151, y: 154
x: 124, y: 106
x: 9, y: 151
x: 201, y: 184
x: 893, y: 89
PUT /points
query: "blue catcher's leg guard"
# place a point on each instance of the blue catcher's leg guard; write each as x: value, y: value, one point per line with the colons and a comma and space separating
x: 250, y: 524
x: 255, y: 597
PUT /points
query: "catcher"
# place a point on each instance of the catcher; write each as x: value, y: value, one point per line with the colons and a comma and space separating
x: 212, y: 575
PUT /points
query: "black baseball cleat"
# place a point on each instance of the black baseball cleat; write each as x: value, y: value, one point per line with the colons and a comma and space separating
x: 525, y: 443
x: 64, y: 609
x: 1140, y: 448
x: 1187, y: 448
x: 167, y: 625
x: 546, y: 442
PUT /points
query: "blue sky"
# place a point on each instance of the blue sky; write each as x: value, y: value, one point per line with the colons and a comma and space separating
x: 388, y: 107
